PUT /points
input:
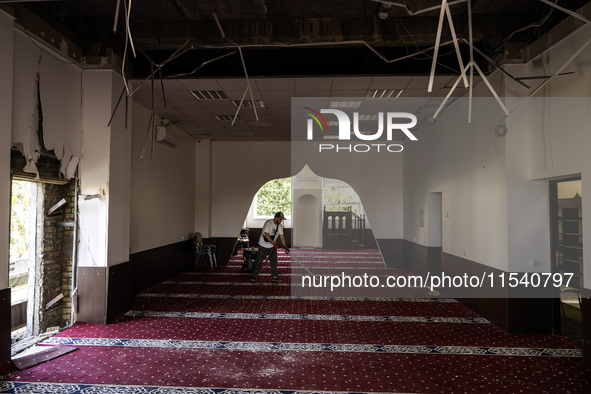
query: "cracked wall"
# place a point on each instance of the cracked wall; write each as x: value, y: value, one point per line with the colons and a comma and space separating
x: 48, y: 95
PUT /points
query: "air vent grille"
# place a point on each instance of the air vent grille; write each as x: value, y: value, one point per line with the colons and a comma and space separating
x: 248, y: 103
x: 209, y: 94
x: 383, y: 93
x: 228, y: 118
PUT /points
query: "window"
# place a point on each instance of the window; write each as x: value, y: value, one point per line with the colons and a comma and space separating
x: 339, y: 196
x: 21, y: 227
x: 273, y: 197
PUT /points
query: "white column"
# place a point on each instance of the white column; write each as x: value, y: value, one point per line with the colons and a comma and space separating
x: 104, y: 173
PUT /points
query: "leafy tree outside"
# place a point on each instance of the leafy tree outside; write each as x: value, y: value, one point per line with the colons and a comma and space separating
x: 340, y: 199
x: 273, y: 197
x: 19, y: 220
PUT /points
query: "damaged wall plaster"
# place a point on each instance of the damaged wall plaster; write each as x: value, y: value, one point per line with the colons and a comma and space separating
x: 60, y: 95
x: 24, y: 100
x: 55, y: 85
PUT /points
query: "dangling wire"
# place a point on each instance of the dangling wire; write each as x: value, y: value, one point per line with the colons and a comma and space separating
x: 254, y: 107
x: 128, y: 41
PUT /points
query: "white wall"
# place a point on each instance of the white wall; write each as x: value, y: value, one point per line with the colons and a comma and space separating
x: 6, y: 77
x: 308, y: 218
x: 307, y: 209
x: 466, y: 163
x: 104, y: 173
x: 239, y: 169
x: 119, y: 179
x: 528, y: 209
x: 375, y: 177
x: 162, y: 188
x: 203, y: 183
x: 556, y: 136
x: 495, y: 189
x: 94, y: 168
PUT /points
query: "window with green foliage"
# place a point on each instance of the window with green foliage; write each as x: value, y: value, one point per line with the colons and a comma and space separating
x: 19, y: 221
x: 273, y: 197
x: 340, y: 199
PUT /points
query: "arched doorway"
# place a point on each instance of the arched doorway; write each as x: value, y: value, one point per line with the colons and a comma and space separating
x: 307, y: 216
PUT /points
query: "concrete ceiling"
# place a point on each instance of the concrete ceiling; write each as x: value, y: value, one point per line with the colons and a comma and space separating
x: 289, y: 49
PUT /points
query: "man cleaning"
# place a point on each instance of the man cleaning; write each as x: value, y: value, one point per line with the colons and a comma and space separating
x: 268, y: 246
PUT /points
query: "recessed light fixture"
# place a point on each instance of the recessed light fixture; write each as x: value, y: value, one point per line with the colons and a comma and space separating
x: 383, y: 93
x: 209, y: 94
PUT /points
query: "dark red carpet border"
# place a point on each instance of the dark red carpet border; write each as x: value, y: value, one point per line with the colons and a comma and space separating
x: 338, y: 371
x: 315, y: 307
x: 315, y: 331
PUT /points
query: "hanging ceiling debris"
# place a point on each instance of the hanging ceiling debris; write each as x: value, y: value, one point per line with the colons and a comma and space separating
x: 173, y: 48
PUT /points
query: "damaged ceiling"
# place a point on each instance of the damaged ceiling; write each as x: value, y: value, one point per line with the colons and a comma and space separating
x: 284, y: 49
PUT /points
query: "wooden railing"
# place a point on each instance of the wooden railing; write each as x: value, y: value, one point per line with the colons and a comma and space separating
x: 344, y: 225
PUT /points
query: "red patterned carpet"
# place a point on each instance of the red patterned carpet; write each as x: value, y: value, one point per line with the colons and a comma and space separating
x: 215, y: 331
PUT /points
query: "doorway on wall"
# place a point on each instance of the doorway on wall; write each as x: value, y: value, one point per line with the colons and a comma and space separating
x: 23, y: 252
x: 42, y: 249
x: 567, y: 252
x: 321, y: 213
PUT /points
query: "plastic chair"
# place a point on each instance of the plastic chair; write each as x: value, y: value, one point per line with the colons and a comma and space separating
x: 205, y: 249
x: 573, y: 290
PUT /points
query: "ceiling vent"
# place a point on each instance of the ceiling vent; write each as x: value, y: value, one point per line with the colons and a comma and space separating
x: 368, y: 117
x: 383, y: 93
x: 345, y: 104
x: 209, y: 94
x: 228, y: 118
x: 248, y: 103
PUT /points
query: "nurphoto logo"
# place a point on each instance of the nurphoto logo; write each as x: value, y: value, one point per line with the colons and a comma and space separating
x: 402, y: 121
